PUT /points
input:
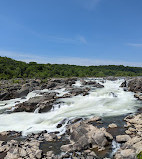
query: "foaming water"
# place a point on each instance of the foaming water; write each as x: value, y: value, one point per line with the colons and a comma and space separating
x: 108, y: 101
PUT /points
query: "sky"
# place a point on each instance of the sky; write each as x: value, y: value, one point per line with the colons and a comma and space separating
x: 81, y: 32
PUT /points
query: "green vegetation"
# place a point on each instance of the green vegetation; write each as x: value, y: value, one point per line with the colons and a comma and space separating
x: 139, y: 156
x: 10, y: 68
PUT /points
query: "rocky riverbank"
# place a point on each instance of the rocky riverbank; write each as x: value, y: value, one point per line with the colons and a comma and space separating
x: 92, y: 138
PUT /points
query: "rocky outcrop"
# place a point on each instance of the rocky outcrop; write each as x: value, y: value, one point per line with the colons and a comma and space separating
x: 124, y: 84
x: 92, y: 83
x: 85, y: 136
x: 133, y: 140
x: 11, y: 89
x: 43, y: 103
x: 135, y: 85
x: 78, y: 91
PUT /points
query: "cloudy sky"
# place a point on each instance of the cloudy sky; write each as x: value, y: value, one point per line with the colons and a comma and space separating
x: 83, y: 32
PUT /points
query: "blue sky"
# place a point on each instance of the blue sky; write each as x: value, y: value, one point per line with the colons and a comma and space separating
x: 83, y: 32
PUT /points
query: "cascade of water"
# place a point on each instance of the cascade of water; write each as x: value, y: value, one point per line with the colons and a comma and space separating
x: 100, y: 102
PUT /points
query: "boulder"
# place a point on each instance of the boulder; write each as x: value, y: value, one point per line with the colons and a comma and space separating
x: 123, y: 138
x: 92, y: 83
x: 135, y: 85
x: 112, y: 125
x: 84, y: 135
x: 43, y: 103
x: 124, y: 84
x: 125, y: 154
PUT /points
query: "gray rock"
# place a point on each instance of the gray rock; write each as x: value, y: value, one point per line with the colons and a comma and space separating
x: 122, y: 138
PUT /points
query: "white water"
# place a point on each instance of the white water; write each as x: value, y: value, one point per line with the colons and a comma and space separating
x: 100, y: 102
x: 115, y: 147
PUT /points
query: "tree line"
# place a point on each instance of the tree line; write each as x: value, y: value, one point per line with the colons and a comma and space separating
x: 10, y: 68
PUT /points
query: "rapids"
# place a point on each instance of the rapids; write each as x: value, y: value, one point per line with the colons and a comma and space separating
x: 104, y: 102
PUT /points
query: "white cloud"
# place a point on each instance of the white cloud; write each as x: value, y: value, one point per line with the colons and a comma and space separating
x: 135, y: 44
x: 66, y: 60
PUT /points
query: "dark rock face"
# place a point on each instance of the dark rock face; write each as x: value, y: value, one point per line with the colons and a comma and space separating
x: 44, y: 103
x: 23, y: 92
x: 10, y: 90
x: 89, y: 83
x: 77, y: 91
x: 124, y: 84
x: 135, y: 85
x: 92, y: 83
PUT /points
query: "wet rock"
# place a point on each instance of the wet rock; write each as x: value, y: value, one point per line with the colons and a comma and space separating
x: 4, y: 96
x: 94, y: 119
x: 23, y: 92
x: 44, y: 103
x: 138, y: 95
x: 78, y: 91
x: 73, y: 121
x: 124, y: 84
x: 92, y: 83
x: 89, y: 82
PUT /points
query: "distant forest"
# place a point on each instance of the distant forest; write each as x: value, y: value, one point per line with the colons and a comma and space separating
x: 10, y: 68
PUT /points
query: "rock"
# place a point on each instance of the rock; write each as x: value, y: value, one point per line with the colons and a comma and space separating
x: 100, y: 138
x: 132, y: 141
x: 135, y: 85
x: 23, y: 153
x: 66, y: 148
x: 112, y: 125
x: 51, y: 85
x: 44, y: 103
x: 122, y: 138
x: 50, y: 137
x: 126, y: 154
x: 4, y: 96
x: 78, y: 91
x: 124, y: 84
x: 138, y: 147
x: 11, y: 156
x: 38, y: 154
x: 92, y: 153
x: 23, y: 92
x: 138, y: 95
x: 135, y: 119
x: 92, y: 83
x: 84, y: 135
x: 89, y: 82
x: 73, y: 121
x: 50, y: 154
